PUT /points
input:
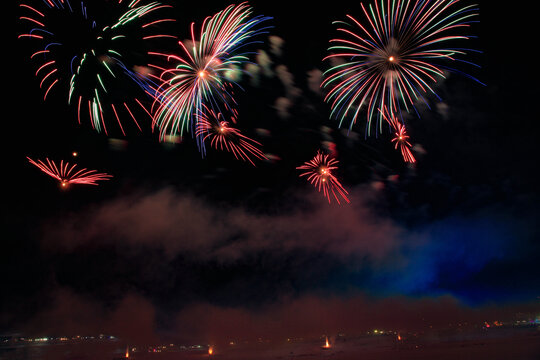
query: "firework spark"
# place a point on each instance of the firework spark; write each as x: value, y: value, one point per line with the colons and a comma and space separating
x: 395, y: 57
x: 95, y: 65
x: 67, y: 174
x: 213, y: 128
x: 201, y: 76
x: 319, y: 173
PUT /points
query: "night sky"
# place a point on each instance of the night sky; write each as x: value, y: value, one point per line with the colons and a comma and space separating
x: 202, y: 248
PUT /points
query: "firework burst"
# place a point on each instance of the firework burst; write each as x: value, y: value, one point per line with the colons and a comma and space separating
x: 394, y: 58
x: 67, y: 174
x: 213, y: 128
x: 401, y: 138
x: 200, y: 77
x: 96, y: 67
x: 319, y: 172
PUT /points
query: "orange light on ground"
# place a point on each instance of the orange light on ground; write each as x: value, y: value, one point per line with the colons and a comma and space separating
x: 326, y: 344
x: 210, y: 350
x: 127, y: 352
x: 399, y: 337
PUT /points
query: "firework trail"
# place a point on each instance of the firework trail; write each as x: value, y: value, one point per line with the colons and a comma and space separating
x: 319, y: 173
x: 97, y: 66
x: 394, y: 57
x: 200, y: 77
x: 67, y: 174
x: 211, y: 127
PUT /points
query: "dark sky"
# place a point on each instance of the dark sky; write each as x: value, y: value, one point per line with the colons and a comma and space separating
x: 175, y: 241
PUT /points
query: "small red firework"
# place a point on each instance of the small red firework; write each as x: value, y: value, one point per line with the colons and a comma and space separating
x: 319, y: 173
x: 67, y: 174
x: 211, y: 127
x: 401, y: 139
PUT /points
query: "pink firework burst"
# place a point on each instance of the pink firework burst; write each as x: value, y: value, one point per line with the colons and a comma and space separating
x: 213, y: 128
x: 67, y: 174
x: 319, y: 173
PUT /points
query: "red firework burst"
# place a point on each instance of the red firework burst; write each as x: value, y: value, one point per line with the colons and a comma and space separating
x: 211, y: 127
x: 401, y: 139
x: 67, y: 174
x: 319, y: 173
